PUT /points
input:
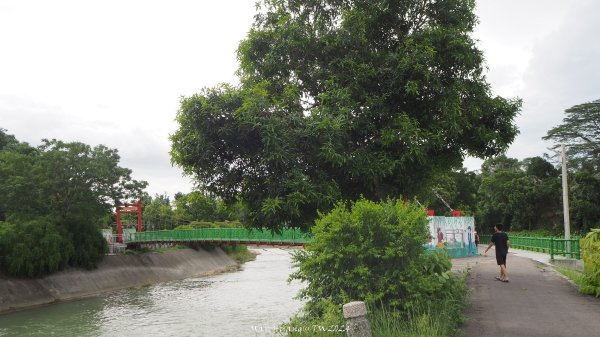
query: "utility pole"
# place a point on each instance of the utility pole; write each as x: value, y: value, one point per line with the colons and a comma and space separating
x: 565, y: 189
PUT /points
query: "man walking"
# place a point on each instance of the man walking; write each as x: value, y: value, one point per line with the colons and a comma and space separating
x: 500, y: 240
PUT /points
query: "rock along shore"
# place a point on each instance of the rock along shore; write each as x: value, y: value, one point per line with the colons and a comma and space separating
x: 114, y: 272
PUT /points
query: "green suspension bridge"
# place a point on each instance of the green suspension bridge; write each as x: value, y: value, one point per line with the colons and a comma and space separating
x: 287, y: 236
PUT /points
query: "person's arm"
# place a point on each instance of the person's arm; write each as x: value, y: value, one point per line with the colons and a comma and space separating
x: 489, y: 246
x: 507, y: 245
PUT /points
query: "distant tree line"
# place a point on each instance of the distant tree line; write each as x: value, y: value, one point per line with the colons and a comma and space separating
x: 189, y: 210
x: 527, y: 194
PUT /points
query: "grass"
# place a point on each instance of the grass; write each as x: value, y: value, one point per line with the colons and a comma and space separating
x: 573, y: 275
x: 426, y: 321
x: 431, y: 319
x: 583, y: 284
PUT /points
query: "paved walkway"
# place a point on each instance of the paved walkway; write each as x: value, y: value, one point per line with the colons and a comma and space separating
x: 537, y: 301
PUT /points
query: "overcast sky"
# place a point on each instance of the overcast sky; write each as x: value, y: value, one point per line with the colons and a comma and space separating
x: 112, y: 72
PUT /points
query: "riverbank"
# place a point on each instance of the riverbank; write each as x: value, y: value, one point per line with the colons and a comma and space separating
x: 114, y: 272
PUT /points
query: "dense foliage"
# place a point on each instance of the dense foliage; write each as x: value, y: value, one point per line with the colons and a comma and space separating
x: 590, y: 246
x: 458, y: 188
x: 342, y: 99
x: 194, y: 210
x: 523, y: 195
x: 372, y: 252
x: 53, y: 200
x: 584, y: 194
x: 34, y: 248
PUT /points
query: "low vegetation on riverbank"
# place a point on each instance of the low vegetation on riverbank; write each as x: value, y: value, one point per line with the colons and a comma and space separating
x: 373, y: 252
x: 239, y: 253
x: 574, y: 275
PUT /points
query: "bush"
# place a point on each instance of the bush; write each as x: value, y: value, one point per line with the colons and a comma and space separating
x: 88, y: 244
x: 33, y: 248
x: 372, y: 252
x: 590, y: 246
x: 209, y: 224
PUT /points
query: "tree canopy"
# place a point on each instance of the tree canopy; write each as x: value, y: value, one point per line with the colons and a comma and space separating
x: 53, y: 201
x: 580, y: 132
x: 340, y: 99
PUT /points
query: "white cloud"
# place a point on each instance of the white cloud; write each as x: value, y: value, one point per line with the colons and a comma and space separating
x: 563, y: 72
x: 112, y: 72
x: 543, y: 52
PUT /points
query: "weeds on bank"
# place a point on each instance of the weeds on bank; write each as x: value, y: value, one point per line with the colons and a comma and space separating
x: 431, y: 319
x: 239, y: 253
x: 576, y: 276
x: 147, y: 250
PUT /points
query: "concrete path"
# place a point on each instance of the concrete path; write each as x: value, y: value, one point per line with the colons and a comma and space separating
x: 536, y: 302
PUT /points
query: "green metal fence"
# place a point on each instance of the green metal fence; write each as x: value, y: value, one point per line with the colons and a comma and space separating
x: 548, y: 245
x: 224, y: 235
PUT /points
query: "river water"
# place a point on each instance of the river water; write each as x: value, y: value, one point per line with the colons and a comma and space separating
x: 251, y: 302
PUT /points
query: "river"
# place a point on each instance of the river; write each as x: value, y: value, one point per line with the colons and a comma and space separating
x: 250, y: 302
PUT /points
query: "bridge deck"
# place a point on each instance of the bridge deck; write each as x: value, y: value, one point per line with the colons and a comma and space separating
x: 288, y: 236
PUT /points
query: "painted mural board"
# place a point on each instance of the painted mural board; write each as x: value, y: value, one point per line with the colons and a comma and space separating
x: 455, y: 234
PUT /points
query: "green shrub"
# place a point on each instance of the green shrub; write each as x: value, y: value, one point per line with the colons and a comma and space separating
x: 372, y: 252
x: 208, y: 224
x: 228, y: 224
x: 33, y: 248
x: 590, y: 246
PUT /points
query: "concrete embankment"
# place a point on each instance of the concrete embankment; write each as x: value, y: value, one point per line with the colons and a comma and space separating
x: 114, y: 272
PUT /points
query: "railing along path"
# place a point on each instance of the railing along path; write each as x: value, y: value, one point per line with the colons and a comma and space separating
x: 548, y: 245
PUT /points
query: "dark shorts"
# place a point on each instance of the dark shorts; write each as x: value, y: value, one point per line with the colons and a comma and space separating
x: 501, y: 259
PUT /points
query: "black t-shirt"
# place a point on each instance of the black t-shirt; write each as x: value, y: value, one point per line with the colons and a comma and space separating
x: 500, y: 241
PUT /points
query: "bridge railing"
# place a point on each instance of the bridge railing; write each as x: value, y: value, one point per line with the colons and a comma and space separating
x: 548, y: 245
x: 233, y: 235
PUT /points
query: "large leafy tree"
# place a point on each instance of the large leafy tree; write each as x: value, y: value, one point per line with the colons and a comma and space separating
x: 339, y: 99
x: 56, y: 190
x: 580, y: 132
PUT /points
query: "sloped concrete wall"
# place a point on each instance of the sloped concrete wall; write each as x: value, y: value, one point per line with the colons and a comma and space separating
x: 114, y: 272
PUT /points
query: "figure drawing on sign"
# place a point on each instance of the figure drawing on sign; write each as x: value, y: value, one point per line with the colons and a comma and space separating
x: 470, y: 238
